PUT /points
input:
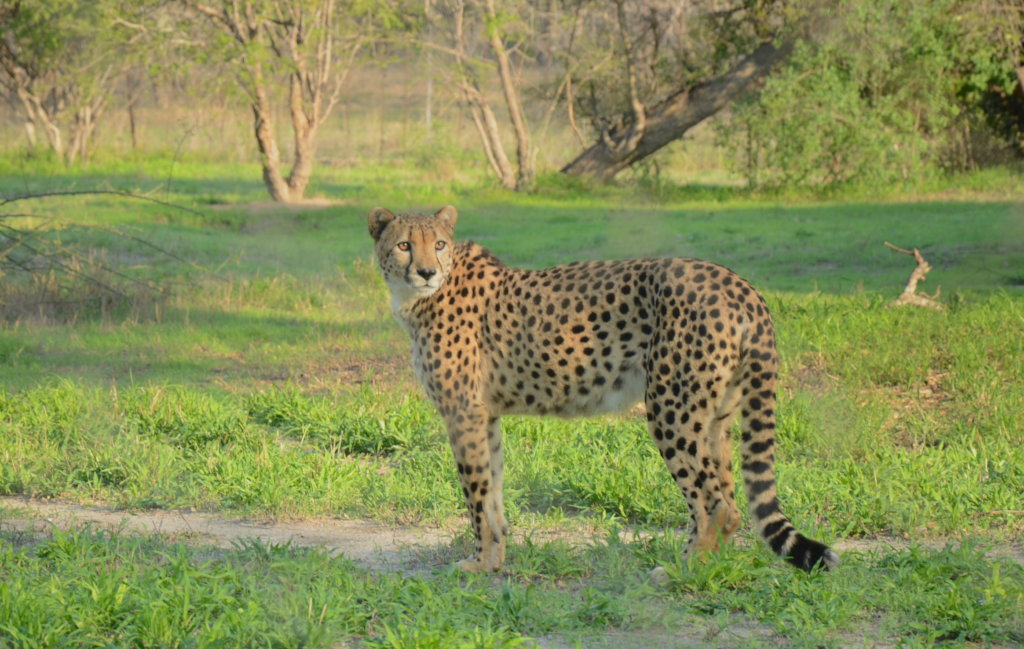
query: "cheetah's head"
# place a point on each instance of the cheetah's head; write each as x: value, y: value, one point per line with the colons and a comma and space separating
x: 414, y: 251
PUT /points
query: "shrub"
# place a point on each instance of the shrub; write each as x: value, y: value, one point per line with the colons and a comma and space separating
x: 890, y: 93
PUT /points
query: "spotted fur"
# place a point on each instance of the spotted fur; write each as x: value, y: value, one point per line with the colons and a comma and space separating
x: 690, y: 338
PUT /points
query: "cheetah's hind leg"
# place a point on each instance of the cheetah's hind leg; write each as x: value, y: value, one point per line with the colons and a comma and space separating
x: 720, y: 490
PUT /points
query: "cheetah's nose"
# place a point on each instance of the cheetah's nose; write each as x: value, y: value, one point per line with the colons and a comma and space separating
x: 426, y: 273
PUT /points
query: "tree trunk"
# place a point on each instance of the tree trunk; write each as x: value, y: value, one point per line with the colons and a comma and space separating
x: 671, y: 118
x: 83, y: 126
x: 37, y: 114
x: 524, y: 156
x: 80, y: 131
x: 490, y: 136
x: 302, y: 169
x: 298, y: 37
x: 131, y: 126
x: 132, y: 90
x: 304, y: 129
x: 266, y: 140
x: 30, y: 133
x: 480, y: 110
x: 26, y: 123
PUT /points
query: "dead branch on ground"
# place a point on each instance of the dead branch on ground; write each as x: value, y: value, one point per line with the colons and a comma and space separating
x: 910, y: 296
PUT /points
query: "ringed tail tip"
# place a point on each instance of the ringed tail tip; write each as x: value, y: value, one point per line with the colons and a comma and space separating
x: 808, y: 554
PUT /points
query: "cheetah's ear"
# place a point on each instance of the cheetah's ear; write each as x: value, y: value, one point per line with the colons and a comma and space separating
x: 448, y: 214
x: 377, y: 220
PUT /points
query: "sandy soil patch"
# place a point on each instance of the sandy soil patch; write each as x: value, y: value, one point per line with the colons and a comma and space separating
x: 369, y: 543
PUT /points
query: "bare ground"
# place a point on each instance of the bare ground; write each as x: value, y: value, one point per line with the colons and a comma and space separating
x: 369, y: 543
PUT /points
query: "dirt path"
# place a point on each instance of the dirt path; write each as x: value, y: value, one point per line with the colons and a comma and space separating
x: 376, y: 546
x: 367, y: 542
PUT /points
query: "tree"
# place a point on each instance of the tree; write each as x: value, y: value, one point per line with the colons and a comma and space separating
x: 1002, y: 102
x: 312, y: 43
x: 483, y: 35
x: 647, y: 71
x: 61, y: 59
x: 633, y: 136
x: 840, y: 112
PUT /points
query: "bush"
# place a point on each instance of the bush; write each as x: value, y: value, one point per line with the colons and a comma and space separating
x: 889, y: 94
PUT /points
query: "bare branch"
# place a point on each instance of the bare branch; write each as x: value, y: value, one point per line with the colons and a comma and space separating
x: 909, y: 296
x: 510, y: 90
x: 60, y: 270
x: 118, y: 20
x: 24, y: 197
x: 52, y: 259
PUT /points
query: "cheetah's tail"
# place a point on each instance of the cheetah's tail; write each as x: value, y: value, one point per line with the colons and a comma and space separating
x: 758, y: 446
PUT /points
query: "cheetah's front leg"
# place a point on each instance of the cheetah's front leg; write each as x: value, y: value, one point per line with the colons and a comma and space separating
x: 498, y: 480
x: 473, y: 435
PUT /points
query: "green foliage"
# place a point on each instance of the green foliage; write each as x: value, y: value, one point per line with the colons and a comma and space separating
x: 86, y: 588
x: 61, y: 59
x: 886, y: 96
x: 46, y: 33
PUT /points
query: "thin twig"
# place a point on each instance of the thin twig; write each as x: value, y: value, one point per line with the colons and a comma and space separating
x: 62, y: 251
x: 71, y: 271
x: 49, y: 256
x: 177, y: 151
x: 898, y: 249
x: 113, y: 192
x: 24, y: 215
x: 148, y: 244
x: 98, y: 228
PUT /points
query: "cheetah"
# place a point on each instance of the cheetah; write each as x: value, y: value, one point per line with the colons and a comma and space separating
x: 689, y: 338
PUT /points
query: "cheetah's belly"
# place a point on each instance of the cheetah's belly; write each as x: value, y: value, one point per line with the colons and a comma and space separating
x: 622, y: 392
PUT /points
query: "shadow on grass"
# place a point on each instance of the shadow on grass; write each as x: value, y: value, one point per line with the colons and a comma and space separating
x: 835, y: 248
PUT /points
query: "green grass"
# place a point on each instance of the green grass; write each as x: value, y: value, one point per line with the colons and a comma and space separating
x: 873, y: 424
x: 270, y: 379
x: 93, y: 589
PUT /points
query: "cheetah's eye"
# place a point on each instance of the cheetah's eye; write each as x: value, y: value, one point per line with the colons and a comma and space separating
x: 404, y: 246
x: 440, y: 245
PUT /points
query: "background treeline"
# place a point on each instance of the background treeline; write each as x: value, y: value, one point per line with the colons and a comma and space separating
x: 799, y: 92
